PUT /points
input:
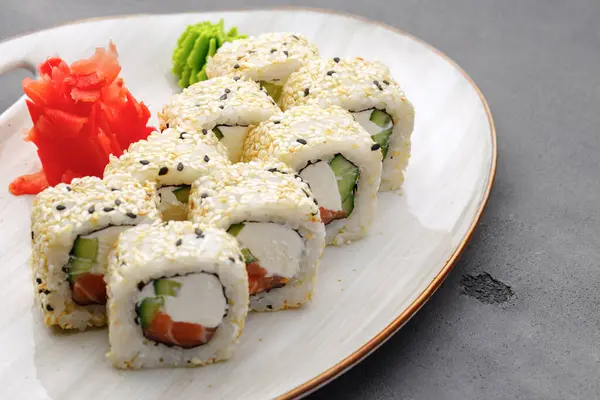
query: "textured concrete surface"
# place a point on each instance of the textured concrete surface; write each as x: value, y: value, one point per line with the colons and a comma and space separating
x: 538, y: 64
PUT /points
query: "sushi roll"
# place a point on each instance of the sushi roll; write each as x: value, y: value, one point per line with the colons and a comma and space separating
x: 275, y: 219
x: 334, y: 155
x: 269, y: 59
x: 225, y: 105
x: 73, y: 228
x: 172, y: 159
x: 177, y: 296
x: 369, y: 92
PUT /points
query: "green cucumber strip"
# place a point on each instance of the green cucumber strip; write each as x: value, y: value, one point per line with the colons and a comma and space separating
x: 248, y: 256
x: 182, y: 193
x: 346, y: 174
x: 348, y: 204
x: 235, y: 229
x: 166, y: 287
x: 77, y: 267
x: 380, y: 118
x: 148, y: 309
x: 383, y: 138
x: 217, y: 133
x: 272, y: 89
x: 85, y: 248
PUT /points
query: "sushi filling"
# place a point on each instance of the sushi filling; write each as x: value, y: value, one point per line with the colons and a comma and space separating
x: 378, y: 124
x: 173, y: 202
x: 182, y: 311
x: 272, y: 253
x: 272, y: 88
x: 232, y: 137
x: 333, y: 184
x: 87, y: 263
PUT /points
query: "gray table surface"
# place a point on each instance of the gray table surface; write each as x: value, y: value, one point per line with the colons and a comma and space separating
x: 538, y: 64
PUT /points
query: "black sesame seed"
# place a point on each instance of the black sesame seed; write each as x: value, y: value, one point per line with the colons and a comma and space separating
x: 46, y: 292
x: 286, y: 53
x: 236, y: 66
x: 140, y: 286
x: 163, y: 171
x: 232, y: 259
x: 199, y: 233
x: 301, y: 141
x: 329, y: 73
x: 144, y: 162
x: 117, y: 202
x: 181, y: 135
x: 68, y: 188
x: 376, y: 83
x: 386, y: 82
x: 224, y: 97
x: 60, y: 207
x: 178, y: 242
x: 206, y: 158
x: 49, y: 307
x: 272, y: 170
x: 336, y: 59
x: 204, y: 195
x: 251, y: 51
x: 236, y: 78
x: 222, y: 107
x: 270, y: 307
x: 114, y: 189
x: 306, y: 193
x: 108, y: 209
x: 306, y: 92
x: 316, y: 202
x: 285, y: 43
x: 131, y: 215
x: 273, y: 51
x: 272, y: 102
x: 32, y: 235
x: 92, y: 209
x: 295, y: 37
x: 376, y: 146
x: 180, y: 167
x: 167, y: 125
x: 276, y: 122
x: 204, y: 131
x: 39, y: 281
x: 160, y: 196
x: 227, y: 91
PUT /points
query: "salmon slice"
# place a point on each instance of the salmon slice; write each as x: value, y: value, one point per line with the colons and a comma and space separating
x: 259, y: 282
x: 89, y: 289
x: 164, y: 330
x: 327, y: 215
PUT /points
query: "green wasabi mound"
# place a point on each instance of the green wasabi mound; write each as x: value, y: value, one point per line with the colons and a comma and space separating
x: 195, y: 45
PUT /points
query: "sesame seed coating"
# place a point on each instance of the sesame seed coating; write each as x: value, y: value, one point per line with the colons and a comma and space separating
x: 356, y: 84
x: 205, y: 105
x: 166, y: 159
x: 55, y: 231
x: 232, y: 194
x: 268, y: 57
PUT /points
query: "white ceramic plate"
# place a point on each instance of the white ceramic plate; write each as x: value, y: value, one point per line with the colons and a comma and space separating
x: 365, y: 291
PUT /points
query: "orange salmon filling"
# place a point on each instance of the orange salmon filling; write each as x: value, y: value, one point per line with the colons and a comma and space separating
x: 327, y: 215
x: 89, y: 289
x: 164, y: 330
x: 259, y: 282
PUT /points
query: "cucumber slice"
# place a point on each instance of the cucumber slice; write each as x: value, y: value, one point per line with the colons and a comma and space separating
x: 348, y: 205
x: 85, y: 248
x: 182, y: 193
x: 166, y: 287
x: 77, y: 267
x: 148, y: 309
x: 380, y: 118
x: 217, y: 133
x: 383, y: 138
x: 248, y: 256
x: 235, y: 229
x: 272, y: 89
x: 347, y: 176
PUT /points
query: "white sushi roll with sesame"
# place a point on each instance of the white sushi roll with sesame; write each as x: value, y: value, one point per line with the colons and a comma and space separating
x: 73, y: 228
x: 177, y: 296
x: 269, y: 59
x: 374, y: 98
x: 334, y: 155
x: 172, y: 159
x: 274, y: 217
x: 227, y: 106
